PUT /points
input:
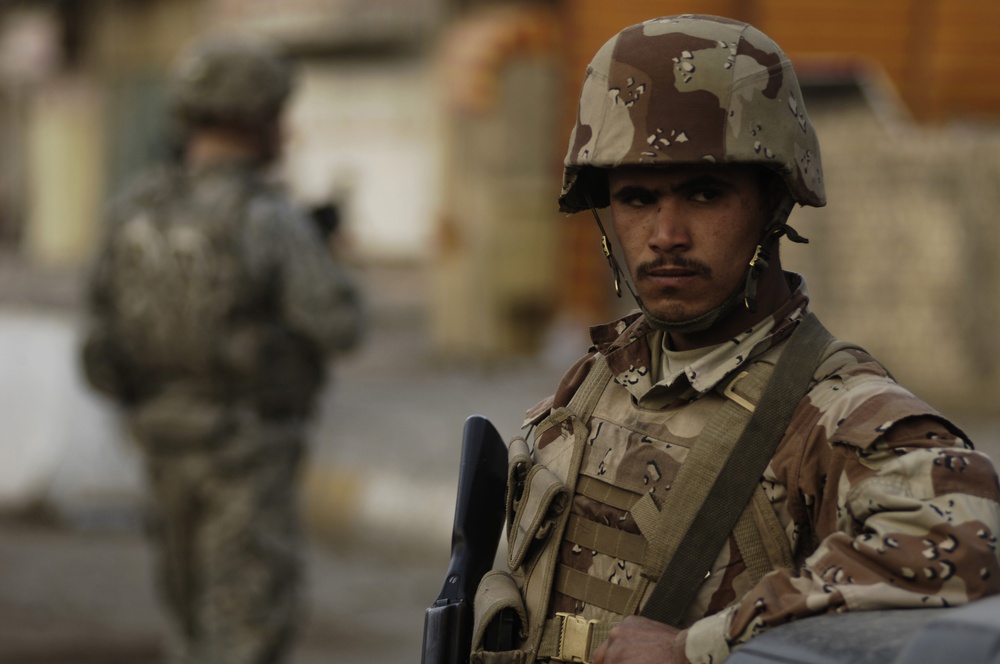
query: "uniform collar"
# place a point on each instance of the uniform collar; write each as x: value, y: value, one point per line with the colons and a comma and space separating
x: 628, y: 345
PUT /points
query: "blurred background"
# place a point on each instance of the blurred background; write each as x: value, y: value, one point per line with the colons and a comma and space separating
x: 435, y: 129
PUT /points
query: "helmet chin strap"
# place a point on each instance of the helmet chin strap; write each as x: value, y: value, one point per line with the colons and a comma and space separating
x: 745, y: 292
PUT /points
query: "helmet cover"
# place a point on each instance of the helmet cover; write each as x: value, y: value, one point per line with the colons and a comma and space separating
x: 229, y: 80
x: 690, y: 89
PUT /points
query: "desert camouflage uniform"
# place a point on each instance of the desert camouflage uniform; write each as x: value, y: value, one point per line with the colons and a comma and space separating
x: 871, y: 500
x: 882, y: 502
x: 213, y: 304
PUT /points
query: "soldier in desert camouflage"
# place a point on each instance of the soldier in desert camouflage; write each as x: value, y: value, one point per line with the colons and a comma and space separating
x: 213, y: 308
x: 692, y: 129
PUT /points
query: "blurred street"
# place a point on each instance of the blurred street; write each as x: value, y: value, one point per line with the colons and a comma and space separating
x: 76, y: 582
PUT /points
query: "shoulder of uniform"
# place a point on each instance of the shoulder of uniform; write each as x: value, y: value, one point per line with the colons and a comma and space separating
x: 570, y: 383
x: 272, y: 217
x: 270, y: 203
x: 149, y: 187
x: 538, y: 412
x: 860, y: 403
x: 843, y: 358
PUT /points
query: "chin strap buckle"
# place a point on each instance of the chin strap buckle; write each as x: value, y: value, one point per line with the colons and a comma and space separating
x: 759, y: 261
x: 615, y: 270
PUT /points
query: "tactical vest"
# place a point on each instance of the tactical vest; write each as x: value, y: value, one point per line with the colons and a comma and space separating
x: 584, y: 505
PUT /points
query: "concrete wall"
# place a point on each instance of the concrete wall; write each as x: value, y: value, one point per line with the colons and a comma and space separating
x: 64, y: 142
x: 904, y: 258
x: 493, y: 264
x: 367, y: 134
x: 60, y: 443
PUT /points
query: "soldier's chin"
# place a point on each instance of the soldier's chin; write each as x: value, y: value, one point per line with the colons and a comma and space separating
x: 674, y: 314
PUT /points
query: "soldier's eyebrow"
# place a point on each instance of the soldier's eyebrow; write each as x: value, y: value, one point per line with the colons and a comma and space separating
x: 629, y: 191
x: 705, y: 181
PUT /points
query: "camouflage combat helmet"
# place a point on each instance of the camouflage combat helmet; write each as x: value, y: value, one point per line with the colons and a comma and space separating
x: 229, y: 80
x: 691, y: 89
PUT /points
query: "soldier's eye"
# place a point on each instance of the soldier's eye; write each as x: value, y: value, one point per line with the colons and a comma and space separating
x: 635, y: 196
x: 706, y: 195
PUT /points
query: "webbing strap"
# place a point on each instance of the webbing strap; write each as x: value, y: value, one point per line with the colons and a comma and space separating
x: 614, y: 542
x: 694, y: 528
x: 585, y: 400
x: 667, y: 527
x: 598, y: 592
x: 538, y: 591
x: 750, y: 544
x: 609, y: 494
x: 761, y: 540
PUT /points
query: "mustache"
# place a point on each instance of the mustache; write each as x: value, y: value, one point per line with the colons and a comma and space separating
x: 678, y: 262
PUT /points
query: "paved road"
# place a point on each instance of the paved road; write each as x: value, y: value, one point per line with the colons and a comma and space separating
x: 68, y: 597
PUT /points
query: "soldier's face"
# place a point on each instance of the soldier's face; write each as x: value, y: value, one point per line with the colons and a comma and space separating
x: 688, y: 233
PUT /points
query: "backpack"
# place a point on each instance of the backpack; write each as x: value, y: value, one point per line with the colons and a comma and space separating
x: 177, y: 275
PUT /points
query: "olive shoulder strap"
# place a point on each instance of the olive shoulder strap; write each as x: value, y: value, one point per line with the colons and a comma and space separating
x: 724, y: 467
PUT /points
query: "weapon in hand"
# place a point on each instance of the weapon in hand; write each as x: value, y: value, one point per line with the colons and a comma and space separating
x: 479, y: 516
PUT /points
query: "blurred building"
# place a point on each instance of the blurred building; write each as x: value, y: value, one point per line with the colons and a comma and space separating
x: 82, y: 93
x: 494, y: 257
x: 437, y: 127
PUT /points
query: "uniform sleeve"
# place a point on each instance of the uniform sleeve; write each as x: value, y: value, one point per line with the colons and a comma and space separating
x: 905, y: 513
x: 101, y: 356
x: 317, y: 296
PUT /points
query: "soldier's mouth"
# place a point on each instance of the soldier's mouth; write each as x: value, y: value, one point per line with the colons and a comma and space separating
x: 672, y: 270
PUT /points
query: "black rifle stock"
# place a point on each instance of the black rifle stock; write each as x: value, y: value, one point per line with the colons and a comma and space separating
x: 479, y: 517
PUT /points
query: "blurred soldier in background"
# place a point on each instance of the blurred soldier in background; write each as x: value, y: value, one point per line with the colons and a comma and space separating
x: 718, y: 463
x: 213, y: 306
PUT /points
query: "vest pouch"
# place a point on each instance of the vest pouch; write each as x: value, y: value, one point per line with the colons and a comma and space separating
x: 518, y: 464
x: 498, y: 599
x: 504, y: 657
x: 543, y: 499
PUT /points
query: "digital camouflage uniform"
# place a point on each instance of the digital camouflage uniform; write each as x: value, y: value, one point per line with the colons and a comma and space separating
x: 213, y: 307
x: 872, y: 499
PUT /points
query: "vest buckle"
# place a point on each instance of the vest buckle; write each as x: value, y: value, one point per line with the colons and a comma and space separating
x: 575, y: 638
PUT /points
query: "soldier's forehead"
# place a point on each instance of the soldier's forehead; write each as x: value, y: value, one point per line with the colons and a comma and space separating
x: 677, y: 171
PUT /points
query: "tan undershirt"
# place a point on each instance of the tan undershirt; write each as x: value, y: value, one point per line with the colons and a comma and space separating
x: 672, y: 363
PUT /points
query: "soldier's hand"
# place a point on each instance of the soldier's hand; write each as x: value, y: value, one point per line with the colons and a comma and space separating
x: 638, y: 640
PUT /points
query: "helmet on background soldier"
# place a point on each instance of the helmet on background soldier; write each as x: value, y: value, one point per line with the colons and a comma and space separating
x: 690, y: 89
x: 229, y: 81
